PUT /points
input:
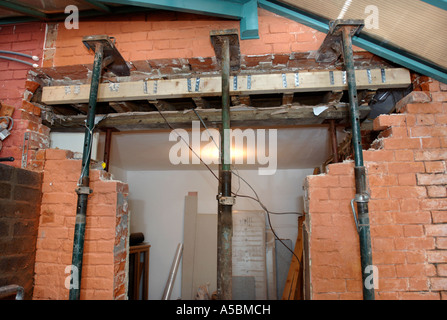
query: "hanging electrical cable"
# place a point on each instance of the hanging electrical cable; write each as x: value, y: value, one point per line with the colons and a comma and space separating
x: 237, y: 175
x: 257, y: 199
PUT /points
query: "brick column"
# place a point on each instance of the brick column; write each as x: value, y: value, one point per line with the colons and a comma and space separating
x: 407, y: 179
x: 106, y: 236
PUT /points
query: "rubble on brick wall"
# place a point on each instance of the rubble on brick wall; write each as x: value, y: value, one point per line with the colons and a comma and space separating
x: 177, y: 68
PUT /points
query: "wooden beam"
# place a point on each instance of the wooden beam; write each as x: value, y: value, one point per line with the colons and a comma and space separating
x: 365, y: 96
x: 200, y: 103
x: 330, y: 50
x: 241, y: 116
x: 333, y: 97
x: 240, y: 100
x: 162, y: 105
x: 287, y: 98
x: 245, y: 100
x: 123, y: 106
x: 81, y: 107
x: 211, y: 86
x: 293, y: 285
x: 107, y: 146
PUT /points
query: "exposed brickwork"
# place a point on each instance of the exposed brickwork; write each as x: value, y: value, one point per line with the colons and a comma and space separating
x: 406, y: 172
x: 162, y: 35
x: 17, y: 91
x: 407, y: 181
x: 174, y: 38
x: 24, y: 38
x: 105, y: 248
x: 20, y: 195
x: 168, y: 45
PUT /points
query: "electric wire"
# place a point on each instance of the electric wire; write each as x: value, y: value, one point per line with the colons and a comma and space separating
x: 187, y: 143
x: 237, y: 174
x: 257, y: 199
x: 35, y: 58
x: 254, y: 191
x: 268, y: 218
x: 18, y: 60
x: 212, y: 138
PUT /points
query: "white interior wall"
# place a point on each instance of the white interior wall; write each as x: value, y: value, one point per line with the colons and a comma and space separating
x: 156, y: 202
x: 74, y: 141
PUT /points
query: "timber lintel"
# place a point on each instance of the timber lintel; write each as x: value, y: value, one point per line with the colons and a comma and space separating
x: 241, y: 116
x: 242, y: 84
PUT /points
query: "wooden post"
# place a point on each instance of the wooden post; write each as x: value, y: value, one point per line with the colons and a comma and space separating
x: 108, y: 142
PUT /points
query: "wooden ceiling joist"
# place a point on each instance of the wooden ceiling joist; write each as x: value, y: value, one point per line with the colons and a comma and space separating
x: 242, y: 85
x: 241, y: 116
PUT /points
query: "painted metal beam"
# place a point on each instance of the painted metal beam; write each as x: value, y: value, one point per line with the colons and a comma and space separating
x: 16, y: 20
x: 390, y: 54
x: 22, y: 9
x: 245, y: 11
x: 401, y: 59
x: 249, y: 20
x: 82, y: 14
x: 437, y: 3
x: 98, y: 5
x: 221, y: 8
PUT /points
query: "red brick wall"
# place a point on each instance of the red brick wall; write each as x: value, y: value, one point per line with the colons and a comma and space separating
x: 15, y: 91
x: 407, y: 178
x: 168, y: 35
x: 24, y: 38
x: 105, y: 249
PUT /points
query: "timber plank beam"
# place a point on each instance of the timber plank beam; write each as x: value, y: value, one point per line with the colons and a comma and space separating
x: 243, y: 84
x: 241, y: 116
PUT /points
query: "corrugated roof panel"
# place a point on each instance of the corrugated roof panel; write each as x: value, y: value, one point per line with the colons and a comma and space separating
x: 412, y: 25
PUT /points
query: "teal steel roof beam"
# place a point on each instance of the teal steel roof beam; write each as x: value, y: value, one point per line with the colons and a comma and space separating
x: 82, y: 14
x: 16, y: 20
x: 377, y: 49
x: 220, y: 8
x: 437, y: 3
x: 98, y: 5
x: 401, y: 59
x: 249, y: 21
x: 22, y: 9
x: 246, y: 11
